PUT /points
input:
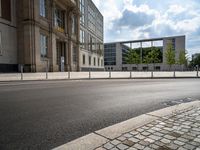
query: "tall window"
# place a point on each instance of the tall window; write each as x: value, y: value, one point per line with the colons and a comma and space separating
x: 1, y: 51
x: 43, y: 8
x: 73, y: 24
x: 89, y: 60
x: 94, y: 61
x: 83, y: 59
x: 82, y: 38
x: 43, y: 45
x: 82, y: 10
x: 59, y: 19
x: 5, y: 9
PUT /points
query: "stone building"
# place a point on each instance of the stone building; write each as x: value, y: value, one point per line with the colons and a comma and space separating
x: 8, y: 36
x: 91, y: 37
x: 41, y: 35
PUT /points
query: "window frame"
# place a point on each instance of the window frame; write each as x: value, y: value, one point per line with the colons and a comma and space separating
x: 43, y: 46
x: 83, y: 59
x: 43, y: 8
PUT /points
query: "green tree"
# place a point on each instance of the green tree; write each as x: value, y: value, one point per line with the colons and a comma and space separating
x: 182, y: 59
x: 153, y: 56
x: 195, y: 61
x: 170, y: 55
x: 132, y: 57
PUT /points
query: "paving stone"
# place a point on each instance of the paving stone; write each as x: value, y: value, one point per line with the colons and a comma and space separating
x: 144, y: 143
x: 139, y: 136
x: 189, y: 147
x: 179, y: 143
x: 148, y: 148
x: 134, y: 132
x: 159, y: 143
x: 145, y: 127
x: 108, y: 146
x: 115, y: 142
x: 154, y: 137
x: 134, y: 139
x: 175, y: 134
x: 154, y: 146
x: 132, y: 148
x: 169, y: 137
x: 139, y: 130
x: 121, y: 138
x: 168, y: 129
x: 149, y: 140
x: 128, y: 143
x: 156, y: 129
x: 182, y: 139
x: 114, y: 148
x: 165, y: 141
x: 151, y: 131
x: 194, y: 143
x: 122, y: 147
x: 172, y: 146
x: 127, y: 135
x: 181, y: 148
x: 197, y: 140
x: 158, y: 134
x: 145, y: 133
x: 138, y: 146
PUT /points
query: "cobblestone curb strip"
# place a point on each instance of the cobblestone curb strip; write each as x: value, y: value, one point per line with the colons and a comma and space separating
x: 176, y: 127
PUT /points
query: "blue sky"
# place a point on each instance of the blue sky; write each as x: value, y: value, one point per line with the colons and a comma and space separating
x: 139, y: 19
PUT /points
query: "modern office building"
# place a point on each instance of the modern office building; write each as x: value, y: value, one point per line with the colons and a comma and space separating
x: 91, y: 37
x: 45, y: 34
x: 115, y: 53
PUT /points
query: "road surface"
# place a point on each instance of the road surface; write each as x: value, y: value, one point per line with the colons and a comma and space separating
x: 46, y: 114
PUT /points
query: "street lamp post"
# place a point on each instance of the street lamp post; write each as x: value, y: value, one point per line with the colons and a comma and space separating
x: 197, y: 66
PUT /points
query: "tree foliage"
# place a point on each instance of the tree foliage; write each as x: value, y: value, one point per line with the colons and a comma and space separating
x: 182, y: 58
x: 195, y: 61
x: 170, y: 55
x: 132, y: 57
x: 153, y: 56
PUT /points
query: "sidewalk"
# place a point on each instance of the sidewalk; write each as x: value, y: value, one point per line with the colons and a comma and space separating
x: 172, y: 128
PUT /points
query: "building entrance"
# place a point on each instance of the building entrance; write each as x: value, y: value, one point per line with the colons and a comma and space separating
x: 61, y: 55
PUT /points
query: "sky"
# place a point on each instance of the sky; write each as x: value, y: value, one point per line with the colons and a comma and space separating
x: 140, y: 19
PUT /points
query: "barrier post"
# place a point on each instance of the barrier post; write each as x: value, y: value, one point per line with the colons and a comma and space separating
x: 21, y: 69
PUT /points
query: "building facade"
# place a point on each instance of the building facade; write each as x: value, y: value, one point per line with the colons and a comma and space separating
x: 8, y: 36
x: 44, y: 35
x: 91, y: 37
x: 115, y: 53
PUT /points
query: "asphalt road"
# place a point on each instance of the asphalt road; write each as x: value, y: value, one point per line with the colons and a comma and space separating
x: 46, y: 114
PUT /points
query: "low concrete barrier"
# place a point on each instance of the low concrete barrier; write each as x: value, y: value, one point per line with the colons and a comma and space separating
x: 141, y: 74
x: 95, y: 75
x: 10, y: 77
x: 79, y: 75
x: 34, y: 76
x: 58, y: 75
x: 120, y: 75
x: 99, y: 75
x: 186, y: 74
x: 163, y: 74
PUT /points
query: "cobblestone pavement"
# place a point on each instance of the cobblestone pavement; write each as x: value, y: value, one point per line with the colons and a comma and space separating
x: 180, y: 131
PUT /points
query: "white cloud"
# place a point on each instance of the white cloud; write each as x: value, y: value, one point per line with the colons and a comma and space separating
x: 176, y: 9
